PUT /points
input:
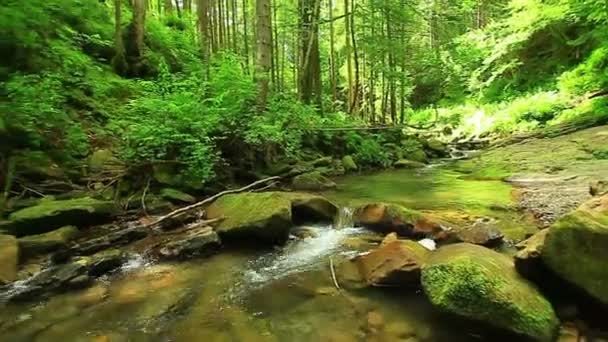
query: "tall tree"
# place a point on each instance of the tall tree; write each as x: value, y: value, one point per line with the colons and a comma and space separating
x: 119, y: 61
x: 263, y: 51
x: 310, y: 70
x: 136, y: 45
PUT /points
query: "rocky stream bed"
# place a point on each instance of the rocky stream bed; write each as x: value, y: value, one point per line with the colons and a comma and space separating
x: 510, y: 245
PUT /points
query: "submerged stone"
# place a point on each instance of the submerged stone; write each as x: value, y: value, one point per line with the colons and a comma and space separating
x: 9, y: 258
x: 49, y: 215
x: 258, y: 218
x: 482, y: 285
x: 47, y: 242
x: 576, y: 248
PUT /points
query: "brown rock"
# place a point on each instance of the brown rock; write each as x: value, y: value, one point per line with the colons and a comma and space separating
x: 481, y: 234
x: 396, y: 263
x: 375, y: 320
x: 388, y: 218
x: 598, y: 188
x: 527, y: 259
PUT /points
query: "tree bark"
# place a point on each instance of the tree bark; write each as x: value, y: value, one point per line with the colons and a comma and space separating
x: 264, y: 51
x: 119, y: 61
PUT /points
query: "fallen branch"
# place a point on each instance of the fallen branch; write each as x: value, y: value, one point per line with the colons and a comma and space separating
x: 211, y: 199
x: 333, y: 273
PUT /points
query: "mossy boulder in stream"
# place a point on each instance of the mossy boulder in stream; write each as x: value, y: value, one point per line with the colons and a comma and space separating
x: 482, y: 285
x: 47, y: 242
x: 576, y: 248
x: 9, y: 258
x: 349, y: 164
x: 387, y: 218
x: 308, y: 207
x: 253, y: 217
x: 49, y: 215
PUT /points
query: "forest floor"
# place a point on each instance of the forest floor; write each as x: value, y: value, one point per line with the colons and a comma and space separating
x: 553, y: 175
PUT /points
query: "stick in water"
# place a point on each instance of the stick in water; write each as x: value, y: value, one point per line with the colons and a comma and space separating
x: 333, y: 273
x: 211, y: 199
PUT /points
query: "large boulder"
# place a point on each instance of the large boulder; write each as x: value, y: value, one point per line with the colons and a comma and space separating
x: 9, y: 258
x: 576, y: 248
x: 253, y: 217
x: 310, y: 208
x: 48, y: 242
x: 49, y: 215
x: 482, y: 285
x: 312, y: 181
x: 387, y: 218
x: 394, y: 263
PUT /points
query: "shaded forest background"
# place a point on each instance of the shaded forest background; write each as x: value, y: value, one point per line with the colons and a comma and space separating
x: 215, y: 91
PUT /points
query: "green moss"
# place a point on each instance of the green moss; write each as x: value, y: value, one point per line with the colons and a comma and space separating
x: 349, y: 163
x: 266, y: 216
x: 313, y: 181
x: 42, y: 243
x: 176, y: 195
x: 49, y: 215
x: 576, y: 248
x: 480, y: 284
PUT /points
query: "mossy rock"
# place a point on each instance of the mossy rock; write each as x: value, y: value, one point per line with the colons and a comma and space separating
x: 482, y: 285
x: 101, y: 159
x: 437, y: 147
x: 576, y: 248
x: 49, y: 215
x: 408, y: 164
x: 310, y: 208
x: 47, y: 242
x: 9, y: 258
x: 174, y: 195
x: 349, y: 164
x: 312, y: 181
x: 259, y: 218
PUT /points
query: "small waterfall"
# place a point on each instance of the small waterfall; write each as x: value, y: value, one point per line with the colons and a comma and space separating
x: 344, y: 218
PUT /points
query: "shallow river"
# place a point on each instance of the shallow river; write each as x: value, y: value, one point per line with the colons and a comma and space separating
x: 282, y: 295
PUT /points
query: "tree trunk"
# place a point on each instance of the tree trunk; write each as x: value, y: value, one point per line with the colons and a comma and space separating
x: 264, y: 51
x: 168, y: 7
x: 135, y: 45
x: 332, y: 54
x: 349, y: 67
x: 119, y: 61
x: 355, y: 101
x: 203, y: 30
x: 310, y: 71
x: 246, y: 36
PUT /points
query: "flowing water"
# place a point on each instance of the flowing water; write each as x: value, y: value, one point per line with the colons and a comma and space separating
x: 283, y: 295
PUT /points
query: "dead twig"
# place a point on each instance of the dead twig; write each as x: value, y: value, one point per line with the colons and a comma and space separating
x: 211, y: 199
x: 333, y: 273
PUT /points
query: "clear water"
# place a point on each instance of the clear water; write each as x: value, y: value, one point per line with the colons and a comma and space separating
x: 284, y: 295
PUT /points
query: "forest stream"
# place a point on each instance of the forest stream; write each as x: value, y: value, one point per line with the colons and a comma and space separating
x: 286, y: 294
